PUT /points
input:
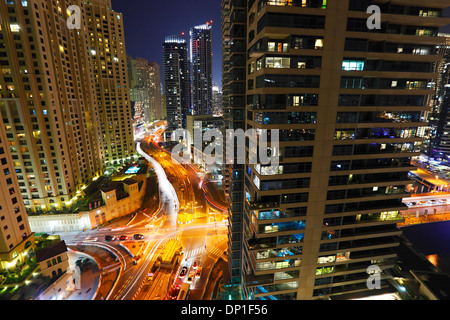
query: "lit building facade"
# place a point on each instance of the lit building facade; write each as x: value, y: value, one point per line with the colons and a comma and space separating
x: 109, y: 64
x: 145, y: 89
x: 177, y: 89
x: 217, y: 100
x: 155, y: 92
x: 201, y: 69
x: 437, y: 141
x: 16, y: 238
x: 234, y: 66
x: 348, y: 102
x: 49, y: 110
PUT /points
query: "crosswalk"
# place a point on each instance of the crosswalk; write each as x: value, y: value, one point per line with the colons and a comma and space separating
x: 216, y: 252
x: 195, y: 253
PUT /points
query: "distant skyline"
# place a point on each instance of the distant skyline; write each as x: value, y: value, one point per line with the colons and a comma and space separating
x: 147, y: 23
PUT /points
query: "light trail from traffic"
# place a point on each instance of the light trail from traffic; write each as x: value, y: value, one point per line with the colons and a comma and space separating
x: 167, y: 191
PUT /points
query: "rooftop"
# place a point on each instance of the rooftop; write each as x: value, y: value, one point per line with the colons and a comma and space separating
x: 51, y: 251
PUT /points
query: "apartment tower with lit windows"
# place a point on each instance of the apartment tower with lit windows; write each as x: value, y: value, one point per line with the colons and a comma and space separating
x: 49, y: 111
x: 16, y: 239
x: 201, y: 69
x: 177, y: 87
x: 234, y: 69
x: 145, y: 89
x: 109, y: 65
x: 347, y: 101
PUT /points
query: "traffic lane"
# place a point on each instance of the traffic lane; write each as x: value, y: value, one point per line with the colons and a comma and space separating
x: 199, y: 286
x: 157, y: 289
x: 215, y: 195
x: 129, y: 284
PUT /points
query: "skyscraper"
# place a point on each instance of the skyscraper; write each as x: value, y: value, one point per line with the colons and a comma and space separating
x: 437, y: 141
x: 145, y: 88
x: 234, y: 66
x: 48, y: 103
x: 16, y: 238
x: 217, y: 100
x: 155, y: 91
x: 201, y: 68
x: 176, y: 81
x: 109, y: 60
x: 347, y: 102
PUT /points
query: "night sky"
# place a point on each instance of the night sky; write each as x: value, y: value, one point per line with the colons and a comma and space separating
x: 148, y: 22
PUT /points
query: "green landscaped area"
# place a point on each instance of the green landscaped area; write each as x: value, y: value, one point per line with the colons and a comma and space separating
x: 24, y: 280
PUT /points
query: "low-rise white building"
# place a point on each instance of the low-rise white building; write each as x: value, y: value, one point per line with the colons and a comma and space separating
x: 120, y: 199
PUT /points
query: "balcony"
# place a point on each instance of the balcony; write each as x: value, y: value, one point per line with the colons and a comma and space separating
x: 263, y: 205
x: 281, y: 227
x: 279, y: 253
x: 286, y: 286
x: 277, y: 265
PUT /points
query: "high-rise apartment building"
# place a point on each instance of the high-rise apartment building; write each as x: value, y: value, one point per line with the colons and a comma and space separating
x: 106, y: 43
x: 347, y: 101
x: 48, y: 102
x: 217, y: 100
x: 234, y: 66
x: 176, y: 81
x: 145, y: 89
x: 201, y: 69
x: 155, y: 91
x: 64, y: 96
x: 138, y: 73
x: 16, y: 238
x: 437, y: 140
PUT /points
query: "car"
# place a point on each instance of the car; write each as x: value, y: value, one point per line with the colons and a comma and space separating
x: 443, y: 200
x: 422, y: 202
x: 122, y: 238
x: 195, y: 265
x: 110, y: 238
x: 138, y: 237
x: 183, y: 272
x: 173, y: 293
x: 191, y: 277
x: 90, y: 239
x: 198, y: 274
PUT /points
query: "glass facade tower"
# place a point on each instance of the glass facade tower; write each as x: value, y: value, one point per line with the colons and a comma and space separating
x: 176, y: 81
x: 348, y: 103
x: 201, y: 69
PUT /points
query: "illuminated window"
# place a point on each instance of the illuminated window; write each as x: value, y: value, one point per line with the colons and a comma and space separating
x: 352, y: 65
x: 276, y: 62
x: 326, y: 259
x: 14, y: 27
x: 319, y: 44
